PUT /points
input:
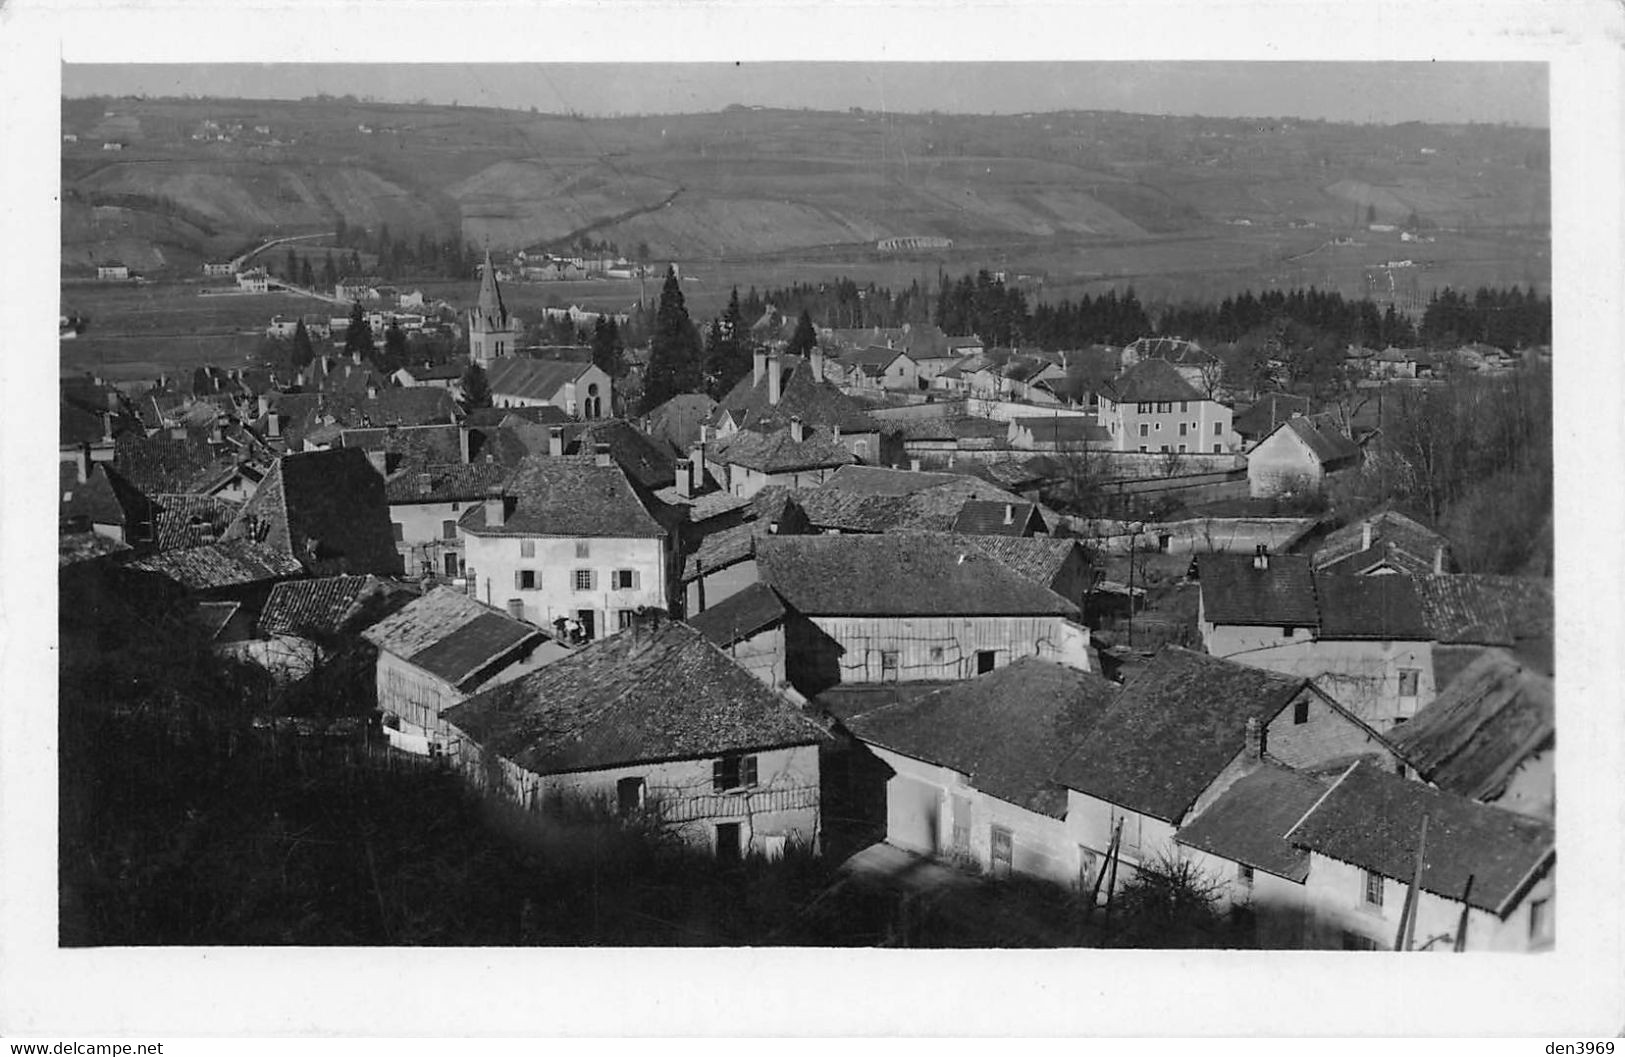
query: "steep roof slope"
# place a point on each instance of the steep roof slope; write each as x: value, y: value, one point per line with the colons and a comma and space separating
x: 1249, y: 821
x: 1006, y: 730
x: 898, y: 575
x: 640, y: 696
x: 568, y: 496
x: 325, y: 509
x: 817, y: 403
x: 1372, y: 819
x: 1236, y: 591
x: 1177, y: 723
x: 451, y: 635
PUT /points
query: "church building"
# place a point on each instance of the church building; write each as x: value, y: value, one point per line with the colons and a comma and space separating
x: 492, y: 332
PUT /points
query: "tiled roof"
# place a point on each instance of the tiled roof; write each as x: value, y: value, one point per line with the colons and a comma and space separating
x: 1487, y: 610
x: 451, y: 370
x: 1249, y: 821
x: 1149, y: 381
x: 160, y: 463
x: 646, y: 460
x: 871, y: 356
x: 1372, y: 819
x: 103, y: 498
x: 215, y: 565
x: 328, y: 605
x: 882, y: 480
x: 568, y: 496
x: 740, y: 615
x: 644, y: 695
x: 705, y: 506
x: 1039, y: 559
x: 1370, y: 607
x: 818, y: 403
x: 451, y: 635
x: 1324, y: 439
x: 898, y: 575
x: 1482, y: 727
x: 443, y: 482
x: 74, y: 547
x: 779, y: 452
x: 1177, y: 723
x: 190, y: 520
x: 523, y: 378
x: 325, y: 509
x: 720, y: 549
x: 1006, y: 731
x: 540, y: 415
x: 439, y: 442
x: 986, y: 517
x: 1272, y: 409
x: 1234, y: 592
x: 678, y: 420
x: 1390, y: 529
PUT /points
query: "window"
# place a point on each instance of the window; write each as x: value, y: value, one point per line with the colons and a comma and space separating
x: 624, y: 618
x: 1182, y: 448
x: 1540, y: 920
x: 624, y: 579
x: 1003, y: 851
x: 448, y: 530
x: 400, y: 530
x: 1373, y: 888
x: 1244, y: 875
x: 1163, y: 448
x: 1164, y: 408
x: 527, y: 548
x: 733, y: 772
x: 1159, y: 427
x: 1184, y: 406
x: 860, y: 448
x: 1218, y: 429
x: 585, y: 579
x: 888, y: 664
x: 1217, y: 449
x: 1286, y: 632
x: 1408, y: 678
x: 581, y: 549
x: 1182, y: 428
x: 629, y: 795
x: 1145, y: 430
x: 1300, y: 711
x: 525, y: 579
x: 985, y: 660
x: 1144, y: 409
x: 936, y: 653
x: 1144, y: 448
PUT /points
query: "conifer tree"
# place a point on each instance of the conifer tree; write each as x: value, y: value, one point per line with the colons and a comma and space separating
x: 805, y: 339
x: 674, y: 350
x: 476, y: 388
x: 303, y: 353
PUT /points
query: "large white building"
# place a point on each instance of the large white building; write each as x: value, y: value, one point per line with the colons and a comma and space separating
x: 569, y: 545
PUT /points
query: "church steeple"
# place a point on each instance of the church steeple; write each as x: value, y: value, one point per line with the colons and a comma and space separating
x: 492, y: 333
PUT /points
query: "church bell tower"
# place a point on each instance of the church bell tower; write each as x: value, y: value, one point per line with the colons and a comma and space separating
x: 492, y: 333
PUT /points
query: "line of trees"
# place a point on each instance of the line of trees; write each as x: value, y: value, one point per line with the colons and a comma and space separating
x: 1507, y: 319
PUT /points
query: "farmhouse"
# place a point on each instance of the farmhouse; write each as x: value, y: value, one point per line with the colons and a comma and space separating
x: 438, y: 650
x: 1298, y: 456
x: 656, y: 723
x: 1152, y: 407
x: 973, y: 767
x: 253, y: 281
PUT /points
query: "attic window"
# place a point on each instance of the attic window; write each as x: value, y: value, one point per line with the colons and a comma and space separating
x: 732, y: 773
x: 1300, y: 710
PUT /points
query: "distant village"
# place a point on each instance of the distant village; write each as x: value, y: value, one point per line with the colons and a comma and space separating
x: 1076, y: 617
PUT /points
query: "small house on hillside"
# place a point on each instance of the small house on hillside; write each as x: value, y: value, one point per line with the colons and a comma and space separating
x: 1298, y: 456
x: 438, y: 650
x: 973, y: 768
x: 656, y: 723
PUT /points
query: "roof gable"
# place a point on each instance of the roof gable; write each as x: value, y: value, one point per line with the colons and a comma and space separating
x: 568, y: 496
x: 1152, y: 380
x: 1249, y: 821
x: 326, y: 510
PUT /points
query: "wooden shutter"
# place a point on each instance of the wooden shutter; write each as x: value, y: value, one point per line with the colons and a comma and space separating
x: 747, y: 772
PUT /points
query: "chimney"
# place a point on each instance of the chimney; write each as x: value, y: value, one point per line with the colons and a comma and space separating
x: 496, y: 508
x: 601, y: 454
x: 355, y: 358
x: 759, y: 366
x: 299, y: 379
x: 177, y: 432
x: 774, y: 380
x: 1255, y: 739
x: 380, y: 461
x: 463, y: 443
x: 685, y: 478
x: 425, y: 483
x: 1009, y: 513
x: 914, y: 464
x: 555, y: 441
x: 798, y: 432
x: 107, y: 428
x: 217, y: 435
x: 265, y: 404
x: 273, y: 424
x: 817, y: 357
x: 1261, y: 557
x: 835, y: 431
x: 82, y: 463
x: 372, y: 391
x: 1438, y: 559
x: 1365, y: 536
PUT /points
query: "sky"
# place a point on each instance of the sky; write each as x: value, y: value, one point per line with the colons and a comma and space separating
x: 1366, y: 92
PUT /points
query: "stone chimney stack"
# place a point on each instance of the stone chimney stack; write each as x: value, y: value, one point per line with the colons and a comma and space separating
x: 601, y: 454
x: 1261, y: 557
x: 372, y: 391
x: 1438, y: 559
x: 555, y: 441
x: 798, y: 432
x: 758, y: 366
x: 914, y: 464
x: 1009, y: 513
x: 817, y: 357
x: 685, y: 478
x: 1365, y: 536
x: 1255, y: 739
x: 81, y: 461
x: 496, y: 508
x: 775, y: 380
x: 273, y: 424
x: 464, y: 446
